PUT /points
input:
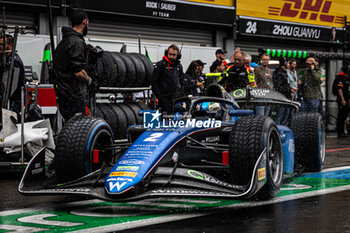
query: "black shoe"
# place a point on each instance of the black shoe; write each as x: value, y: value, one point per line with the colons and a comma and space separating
x: 342, y: 135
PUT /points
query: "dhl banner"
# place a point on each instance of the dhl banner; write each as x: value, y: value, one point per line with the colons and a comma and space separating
x: 215, y: 2
x: 317, y: 12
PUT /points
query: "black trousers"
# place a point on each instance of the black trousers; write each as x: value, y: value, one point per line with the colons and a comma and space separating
x: 342, y: 115
x: 166, y: 104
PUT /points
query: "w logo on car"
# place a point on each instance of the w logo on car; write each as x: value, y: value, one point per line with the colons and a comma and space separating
x: 151, y: 119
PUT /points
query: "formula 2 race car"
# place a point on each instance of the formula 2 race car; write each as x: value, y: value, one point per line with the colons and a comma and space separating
x: 208, y: 148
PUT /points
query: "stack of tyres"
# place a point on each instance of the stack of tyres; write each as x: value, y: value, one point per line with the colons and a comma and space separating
x: 131, y: 70
x: 120, y: 116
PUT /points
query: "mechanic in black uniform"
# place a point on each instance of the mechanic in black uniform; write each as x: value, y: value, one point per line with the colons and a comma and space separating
x: 341, y: 83
x: 239, y: 76
x: 167, y: 79
x: 70, y: 60
x: 15, y: 99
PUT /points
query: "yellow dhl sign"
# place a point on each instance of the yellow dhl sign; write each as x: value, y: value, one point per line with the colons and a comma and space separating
x: 318, y: 12
x: 130, y: 174
x: 215, y: 2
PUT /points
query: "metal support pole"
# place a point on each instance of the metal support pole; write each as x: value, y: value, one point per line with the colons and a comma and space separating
x: 3, y: 65
x: 3, y: 36
x: 26, y: 97
x: 345, y: 39
x: 36, y: 93
x: 22, y: 124
x: 52, y: 42
x: 235, y: 22
x: 139, y: 40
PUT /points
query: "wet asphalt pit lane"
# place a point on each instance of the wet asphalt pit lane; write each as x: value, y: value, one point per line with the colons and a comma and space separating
x: 117, y: 211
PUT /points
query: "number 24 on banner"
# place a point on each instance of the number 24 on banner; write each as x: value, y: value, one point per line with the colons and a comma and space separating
x: 251, y: 27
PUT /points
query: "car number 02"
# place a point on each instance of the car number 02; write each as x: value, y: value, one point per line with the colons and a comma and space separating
x: 153, y: 137
x: 251, y: 27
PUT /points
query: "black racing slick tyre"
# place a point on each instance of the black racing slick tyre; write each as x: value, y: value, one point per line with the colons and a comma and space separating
x: 107, y: 74
x: 142, y: 105
x: 140, y: 69
x: 109, y: 116
x: 249, y: 138
x: 131, y: 71
x: 120, y: 70
x: 135, y: 108
x: 122, y: 120
x: 130, y: 116
x: 75, y: 147
x: 309, y: 137
x: 148, y: 68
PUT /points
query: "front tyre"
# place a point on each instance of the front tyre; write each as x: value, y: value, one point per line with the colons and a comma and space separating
x: 249, y: 137
x: 75, y: 147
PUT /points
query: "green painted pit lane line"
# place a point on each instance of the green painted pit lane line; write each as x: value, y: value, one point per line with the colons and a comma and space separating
x: 100, y: 216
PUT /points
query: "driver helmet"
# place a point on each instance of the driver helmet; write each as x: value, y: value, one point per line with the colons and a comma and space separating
x: 211, y: 106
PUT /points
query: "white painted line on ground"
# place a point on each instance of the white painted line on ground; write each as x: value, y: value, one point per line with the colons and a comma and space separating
x: 16, y: 228
x: 330, y: 170
x: 39, y: 219
x: 183, y: 216
x: 50, y: 206
x: 141, y: 223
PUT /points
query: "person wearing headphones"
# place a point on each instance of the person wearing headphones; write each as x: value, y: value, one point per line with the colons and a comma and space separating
x: 167, y: 79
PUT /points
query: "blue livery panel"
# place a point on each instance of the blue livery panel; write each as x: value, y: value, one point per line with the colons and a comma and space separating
x: 287, y: 139
x: 141, y: 157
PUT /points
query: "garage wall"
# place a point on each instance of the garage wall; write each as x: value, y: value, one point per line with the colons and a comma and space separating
x: 31, y: 47
x: 149, y: 32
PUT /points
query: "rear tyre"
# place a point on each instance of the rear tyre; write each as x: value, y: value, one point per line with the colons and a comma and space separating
x: 75, y: 145
x: 309, y: 136
x: 249, y: 137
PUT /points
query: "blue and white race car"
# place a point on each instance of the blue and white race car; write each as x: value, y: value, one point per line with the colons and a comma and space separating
x: 208, y: 148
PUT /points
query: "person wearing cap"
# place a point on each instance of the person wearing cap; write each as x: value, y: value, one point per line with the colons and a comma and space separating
x: 201, y: 65
x: 263, y: 78
x: 239, y: 75
x: 311, y: 83
x: 342, y: 84
x: 281, y: 84
x: 221, y: 57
